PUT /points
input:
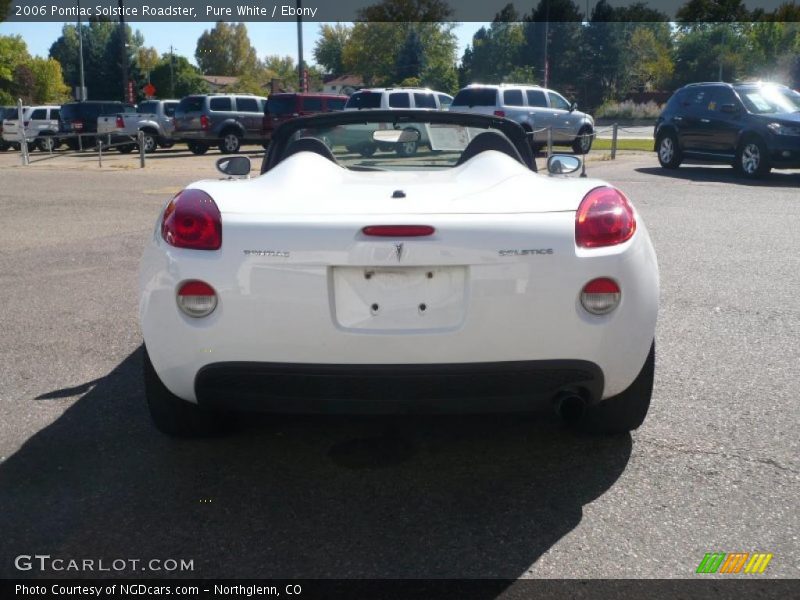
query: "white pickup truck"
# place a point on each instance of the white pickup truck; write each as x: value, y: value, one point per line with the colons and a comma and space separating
x: 153, y: 118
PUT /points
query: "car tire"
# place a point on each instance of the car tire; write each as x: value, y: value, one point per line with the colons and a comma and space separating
x: 366, y: 149
x: 198, y: 149
x: 627, y: 410
x: 47, y: 143
x: 230, y: 143
x: 583, y: 143
x: 752, y: 158
x: 668, y: 150
x: 175, y: 416
x: 406, y: 149
x: 150, y: 142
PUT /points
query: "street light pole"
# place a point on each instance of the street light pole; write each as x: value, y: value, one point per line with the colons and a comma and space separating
x: 171, y: 73
x: 82, y: 89
x: 123, y: 50
x: 299, y: 46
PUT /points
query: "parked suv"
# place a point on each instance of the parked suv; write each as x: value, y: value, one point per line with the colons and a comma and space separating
x: 81, y: 117
x: 753, y: 126
x: 223, y: 120
x: 154, y: 118
x: 9, y: 113
x: 398, y: 98
x: 282, y: 107
x: 535, y: 108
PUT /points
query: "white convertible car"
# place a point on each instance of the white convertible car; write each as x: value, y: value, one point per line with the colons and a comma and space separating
x: 457, y: 279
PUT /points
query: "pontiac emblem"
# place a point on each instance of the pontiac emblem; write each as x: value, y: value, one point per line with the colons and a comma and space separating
x: 398, y: 251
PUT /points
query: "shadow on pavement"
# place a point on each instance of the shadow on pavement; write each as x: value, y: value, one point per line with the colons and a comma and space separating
x: 299, y: 496
x: 717, y: 174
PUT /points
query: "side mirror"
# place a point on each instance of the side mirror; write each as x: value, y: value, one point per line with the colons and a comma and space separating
x: 573, y: 107
x: 234, y: 166
x: 562, y: 164
x: 729, y: 108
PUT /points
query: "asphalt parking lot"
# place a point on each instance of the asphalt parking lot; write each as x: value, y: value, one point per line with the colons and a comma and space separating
x: 715, y: 467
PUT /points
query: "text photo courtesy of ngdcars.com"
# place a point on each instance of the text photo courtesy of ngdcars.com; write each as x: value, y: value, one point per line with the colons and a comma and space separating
x: 399, y: 299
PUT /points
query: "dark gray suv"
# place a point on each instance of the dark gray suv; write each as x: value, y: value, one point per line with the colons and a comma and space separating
x: 223, y: 120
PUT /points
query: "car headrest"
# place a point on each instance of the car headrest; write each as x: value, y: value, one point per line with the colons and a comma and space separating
x: 309, y: 144
x: 488, y: 140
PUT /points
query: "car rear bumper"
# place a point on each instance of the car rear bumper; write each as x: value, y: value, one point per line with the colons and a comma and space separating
x: 367, y: 388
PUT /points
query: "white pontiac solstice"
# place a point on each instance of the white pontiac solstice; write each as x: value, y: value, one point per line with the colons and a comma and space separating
x: 447, y: 278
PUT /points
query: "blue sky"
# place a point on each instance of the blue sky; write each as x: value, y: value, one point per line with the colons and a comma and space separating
x: 267, y: 38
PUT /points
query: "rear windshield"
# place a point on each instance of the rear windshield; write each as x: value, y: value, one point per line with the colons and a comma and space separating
x: 280, y: 105
x: 148, y: 108
x: 475, y: 97
x: 191, y: 104
x: 364, y: 100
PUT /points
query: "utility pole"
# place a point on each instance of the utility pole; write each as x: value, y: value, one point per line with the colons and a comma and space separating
x: 171, y: 74
x: 123, y: 50
x: 82, y: 90
x: 546, y: 43
x: 299, y: 45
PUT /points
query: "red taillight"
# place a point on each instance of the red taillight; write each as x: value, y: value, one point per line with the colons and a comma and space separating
x: 77, y: 125
x: 499, y: 113
x: 604, y: 218
x: 204, y: 122
x: 600, y: 296
x: 192, y: 220
x: 120, y: 122
x: 398, y: 230
x: 197, y: 298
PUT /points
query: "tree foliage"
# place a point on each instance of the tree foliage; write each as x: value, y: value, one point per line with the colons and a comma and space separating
x: 185, y: 79
x: 330, y: 45
x: 226, y: 50
x: 36, y: 80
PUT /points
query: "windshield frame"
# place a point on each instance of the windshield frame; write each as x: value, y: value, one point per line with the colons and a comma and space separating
x: 284, y: 134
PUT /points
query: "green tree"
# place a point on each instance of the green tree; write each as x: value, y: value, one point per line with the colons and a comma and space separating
x: 329, y: 47
x: 184, y: 80
x: 372, y: 49
x: 411, y: 58
x: 226, y: 50
x: 13, y: 53
x: 49, y: 86
x: 704, y: 13
x: 496, y: 52
x: 147, y: 59
x: 650, y: 65
x: 407, y: 11
x: 558, y: 21
x: 101, y: 57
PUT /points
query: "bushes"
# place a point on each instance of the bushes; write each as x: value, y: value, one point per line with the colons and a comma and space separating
x: 629, y: 110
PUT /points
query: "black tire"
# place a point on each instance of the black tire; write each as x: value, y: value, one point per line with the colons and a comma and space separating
x: 173, y: 415
x: 72, y: 144
x: 265, y: 145
x: 230, y: 143
x: 150, y: 142
x: 196, y: 148
x: 406, y: 149
x: 126, y: 149
x: 366, y: 149
x: 625, y: 411
x: 583, y: 143
x: 46, y: 143
x: 668, y: 151
x: 752, y: 158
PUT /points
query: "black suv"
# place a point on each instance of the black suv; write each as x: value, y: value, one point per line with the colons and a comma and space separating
x: 752, y: 126
x: 81, y: 117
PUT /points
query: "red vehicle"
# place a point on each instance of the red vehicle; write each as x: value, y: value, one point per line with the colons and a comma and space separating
x: 282, y: 107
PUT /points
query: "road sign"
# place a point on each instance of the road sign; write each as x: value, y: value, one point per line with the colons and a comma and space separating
x: 149, y: 90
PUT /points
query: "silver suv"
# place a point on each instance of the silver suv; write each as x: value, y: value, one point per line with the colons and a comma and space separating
x: 224, y: 120
x: 533, y: 107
